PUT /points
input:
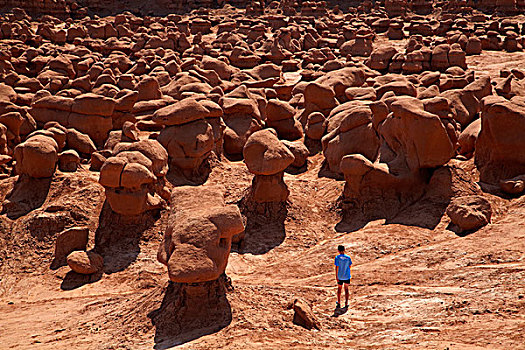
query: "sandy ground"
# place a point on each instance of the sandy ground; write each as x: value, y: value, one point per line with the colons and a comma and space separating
x: 412, y: 287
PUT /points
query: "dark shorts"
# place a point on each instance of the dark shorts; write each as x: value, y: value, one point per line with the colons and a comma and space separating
x: 340, y: 282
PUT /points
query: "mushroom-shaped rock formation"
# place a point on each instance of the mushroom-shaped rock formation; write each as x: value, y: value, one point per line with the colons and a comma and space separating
x: 88, y: 113
x: 134, y: 177
x: 192, y: 131
x: 195, y: 248
x: 267, y: 157
x: 197, y: 242
x: 413, y: 141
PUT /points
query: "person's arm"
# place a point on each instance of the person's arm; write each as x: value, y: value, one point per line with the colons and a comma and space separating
x: 336, y: 272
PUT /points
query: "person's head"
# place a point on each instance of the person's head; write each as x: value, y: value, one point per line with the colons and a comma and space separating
x: 341, y: 249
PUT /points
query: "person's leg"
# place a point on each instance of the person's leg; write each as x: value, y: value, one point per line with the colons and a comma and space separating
x: 339, y: 287
x: 346, y: 294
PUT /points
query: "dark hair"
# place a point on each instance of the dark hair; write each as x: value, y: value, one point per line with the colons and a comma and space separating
x: 341, y: 248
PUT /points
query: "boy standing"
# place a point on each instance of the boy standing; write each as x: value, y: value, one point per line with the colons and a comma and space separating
x: 342, y: 274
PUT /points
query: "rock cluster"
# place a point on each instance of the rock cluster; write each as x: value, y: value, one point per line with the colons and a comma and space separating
x: 68, y: 241
x: 145, y: 99
x: 418, y: 57
x: 412, y: 141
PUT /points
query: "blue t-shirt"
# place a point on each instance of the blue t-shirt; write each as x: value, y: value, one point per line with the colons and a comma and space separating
x: 344, y: 262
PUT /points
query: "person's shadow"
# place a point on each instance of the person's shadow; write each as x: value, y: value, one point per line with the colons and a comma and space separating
x: 340, y: 311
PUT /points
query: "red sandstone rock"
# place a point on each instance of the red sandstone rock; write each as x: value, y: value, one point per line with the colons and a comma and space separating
x: 468, y: 137
x: 304, y: 316
x: 498, y: 140
x: 197, y: 242
x: 470, y: 212
x: 264, y: 154
x: 85, y: 263
x: 75, y: 238
x: 36, y: 157
x: 267, y: 158
x: 133, y: 175
x: 349, y: 131
x: 513, y: 186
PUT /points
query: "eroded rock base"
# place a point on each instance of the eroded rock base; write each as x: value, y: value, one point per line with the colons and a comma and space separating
x: 191, y: 310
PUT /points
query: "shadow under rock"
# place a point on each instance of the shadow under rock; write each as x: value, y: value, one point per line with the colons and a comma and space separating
x: 264, y: 228
x: 326, y: 172
x: 234, y: 157
x: 74, y: 280
x: 313, y: 146
x: 118, y: 237
x: 27, y: 195
x: 351, y: 224
x: 190, y: 311
x: 497, y: 191
x: 296, y: 171
x: 425, y: 211
x: 179, y: 178
x: 459, y: 232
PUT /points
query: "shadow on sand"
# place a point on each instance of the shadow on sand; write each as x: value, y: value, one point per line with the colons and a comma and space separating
x: 27, y: 195
x: 118, y: 237
x: 265, y: 227
x: 338, y: 311
x: 74, y: 280
x: 425, y: 211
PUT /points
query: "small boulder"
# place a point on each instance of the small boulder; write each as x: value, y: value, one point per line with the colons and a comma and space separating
x: 75, y: 238
x: 85, y: 263
x: 315, y: 127
x: 68, y: 160
x: 304, y: 316
x: 467, y: 138
x: 469, y: 212
x: 516, y: 185
x: 97, y: 160
x: 299, y: 151
x: 80, y: 142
